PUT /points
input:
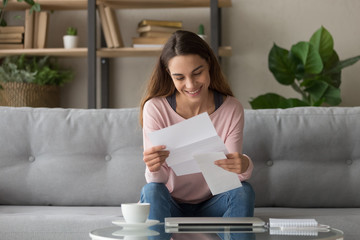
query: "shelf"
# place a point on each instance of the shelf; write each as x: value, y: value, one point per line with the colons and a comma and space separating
x: 57, y: 52
x: 50, y: 5
x: 162, y: 3
x: 82, y: 4
x: 128, y: 52
x: 103, y: 52
x: 144, y: 52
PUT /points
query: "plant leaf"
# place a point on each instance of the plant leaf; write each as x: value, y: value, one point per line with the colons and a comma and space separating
x: 333, y: 96
x: 273, y: 100
x: 35, y: 70
x: 36, y: 7
x: 334, y: 78
x: 342, y: 64
x: 317, y: 89
x: 321, y: 91
x: 282, y: 65
x: 323, y: 43
x: 309, y: 57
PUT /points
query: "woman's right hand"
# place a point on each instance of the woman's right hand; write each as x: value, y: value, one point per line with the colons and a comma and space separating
x: 154, y: 157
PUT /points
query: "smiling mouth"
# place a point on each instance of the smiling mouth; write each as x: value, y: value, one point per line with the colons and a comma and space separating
x: 194, y: 92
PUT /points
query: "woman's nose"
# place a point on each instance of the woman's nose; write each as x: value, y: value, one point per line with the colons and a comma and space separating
x: 189, y: 82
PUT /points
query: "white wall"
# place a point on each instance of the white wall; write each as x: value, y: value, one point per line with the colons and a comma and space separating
x: 249, y: 26
x: 252, y: 26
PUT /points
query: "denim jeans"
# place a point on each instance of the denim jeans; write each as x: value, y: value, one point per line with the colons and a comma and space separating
x: 238, y: 202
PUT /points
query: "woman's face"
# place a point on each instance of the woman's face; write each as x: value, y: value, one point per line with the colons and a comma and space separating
x: 190, y: 74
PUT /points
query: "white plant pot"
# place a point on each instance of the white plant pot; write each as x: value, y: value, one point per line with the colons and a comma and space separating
x: 70, y: 41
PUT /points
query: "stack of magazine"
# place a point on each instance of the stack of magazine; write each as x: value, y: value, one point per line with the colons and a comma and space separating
x: 155, y: 33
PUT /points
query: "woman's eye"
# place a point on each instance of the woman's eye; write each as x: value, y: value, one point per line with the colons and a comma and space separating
x: 179, y: 78
x: 197, y: 73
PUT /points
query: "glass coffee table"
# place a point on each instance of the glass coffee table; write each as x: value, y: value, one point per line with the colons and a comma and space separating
x: 159, y: 232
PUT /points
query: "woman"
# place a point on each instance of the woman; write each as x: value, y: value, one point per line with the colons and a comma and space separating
x: 187, y: 81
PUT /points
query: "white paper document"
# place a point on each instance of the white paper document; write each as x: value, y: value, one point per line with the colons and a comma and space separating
x: 185, y: 139
x: 218, y: 179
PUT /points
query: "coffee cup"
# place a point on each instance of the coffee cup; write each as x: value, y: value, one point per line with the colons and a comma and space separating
x: 135, y: 212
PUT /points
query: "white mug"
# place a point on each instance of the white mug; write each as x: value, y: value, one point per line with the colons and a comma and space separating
x: 135, y: 212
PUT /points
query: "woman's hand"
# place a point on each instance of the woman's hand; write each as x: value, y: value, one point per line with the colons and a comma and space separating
x: 154, y: 157
x: 235, y: 162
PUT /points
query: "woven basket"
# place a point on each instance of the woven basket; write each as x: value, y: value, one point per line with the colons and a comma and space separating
x: 15, y: 94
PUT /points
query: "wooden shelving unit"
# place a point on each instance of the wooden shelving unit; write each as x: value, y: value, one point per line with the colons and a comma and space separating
x: 56, y: 52
x: 123, y: 4
x: 144, y: 52
x: 50, y: 5
x: 162, y: 3
x: 102, y: 52
x: 92, y: 53
x: 224, y: 51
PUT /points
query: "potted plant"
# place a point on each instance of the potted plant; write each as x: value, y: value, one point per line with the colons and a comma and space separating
x: 312, y: 69
x: 33, y: 7
x: 31, y: 81
x: 71, y: 38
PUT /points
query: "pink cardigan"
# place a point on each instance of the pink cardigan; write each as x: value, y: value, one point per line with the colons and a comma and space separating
x: 228, y: 120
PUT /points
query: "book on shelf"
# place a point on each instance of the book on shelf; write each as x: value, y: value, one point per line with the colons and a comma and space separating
x: 11, y: 40
x: 113, y: 27
x: 153, y: 42
x: 163, y: 23
x: 150, y: 28
x: 12, y: 29
x: 155, y: 33
x: 149, y: 40
x: 35, y: 28
x: 42, y: 25
x: 105, y: 26
x: 29, y: 29
x: 11, y: 37
x: 11, y: 45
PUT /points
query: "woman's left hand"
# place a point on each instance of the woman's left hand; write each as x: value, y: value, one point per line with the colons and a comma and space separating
x: 235, y: 162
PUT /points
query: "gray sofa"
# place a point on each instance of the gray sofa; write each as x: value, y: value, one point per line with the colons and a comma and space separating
x: 64, y: 172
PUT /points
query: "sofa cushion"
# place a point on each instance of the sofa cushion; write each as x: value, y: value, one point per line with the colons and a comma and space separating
x: 44, y: 222
x: 304, y: 157
x: 70, y: 156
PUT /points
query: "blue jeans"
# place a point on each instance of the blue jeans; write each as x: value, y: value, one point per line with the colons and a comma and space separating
x: 238, y: 202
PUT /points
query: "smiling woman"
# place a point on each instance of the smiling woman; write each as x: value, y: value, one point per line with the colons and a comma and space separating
x: 181, y: 44
x: 187, y: 81
x: 190, y: 74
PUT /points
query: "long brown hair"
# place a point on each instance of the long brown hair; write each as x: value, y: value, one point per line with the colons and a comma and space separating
x: 182, y: 42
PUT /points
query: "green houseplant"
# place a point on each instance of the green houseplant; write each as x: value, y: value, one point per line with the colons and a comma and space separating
x: 31, y: 81
x: 33, y: 7
x: 71, y: 38
x: 312, y: 69
x: 71, y: 31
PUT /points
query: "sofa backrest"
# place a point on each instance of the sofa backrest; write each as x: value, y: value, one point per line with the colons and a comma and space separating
x: 70, y: 156
x: 304, y: 157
